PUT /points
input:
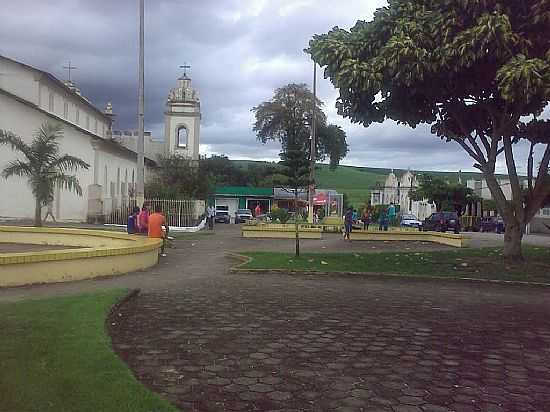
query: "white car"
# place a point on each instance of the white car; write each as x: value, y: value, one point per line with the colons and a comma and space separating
x: 409, y: 220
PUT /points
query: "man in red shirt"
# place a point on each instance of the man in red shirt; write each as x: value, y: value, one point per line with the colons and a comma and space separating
x: 158, y: 229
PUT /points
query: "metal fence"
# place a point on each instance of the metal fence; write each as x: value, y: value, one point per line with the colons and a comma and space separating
x: 180, y: 213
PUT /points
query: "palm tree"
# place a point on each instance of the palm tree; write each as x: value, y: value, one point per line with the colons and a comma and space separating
x: 43, y: 166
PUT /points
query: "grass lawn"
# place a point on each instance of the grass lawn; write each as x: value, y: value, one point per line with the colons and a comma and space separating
x: 474, y: 263
x: 55, y: 355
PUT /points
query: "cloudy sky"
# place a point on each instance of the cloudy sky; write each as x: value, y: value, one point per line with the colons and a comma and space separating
x: 239, y: 50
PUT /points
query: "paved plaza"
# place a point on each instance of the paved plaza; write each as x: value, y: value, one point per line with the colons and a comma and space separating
x: 210, y: 340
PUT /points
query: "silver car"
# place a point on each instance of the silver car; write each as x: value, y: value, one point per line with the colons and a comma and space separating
x: 410, y: 220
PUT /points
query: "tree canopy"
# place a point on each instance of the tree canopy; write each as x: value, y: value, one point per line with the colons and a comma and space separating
x: 288, y: 118
x: 478, y: 71
x: 445, y: 195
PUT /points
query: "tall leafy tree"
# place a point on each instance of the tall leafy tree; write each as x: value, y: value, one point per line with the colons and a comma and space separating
x: 478, y: 71
x: 288, y: 116
x: 43, y: 166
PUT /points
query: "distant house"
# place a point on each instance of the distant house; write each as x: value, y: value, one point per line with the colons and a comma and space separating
x: 396, y: 190
x: 539, y: 224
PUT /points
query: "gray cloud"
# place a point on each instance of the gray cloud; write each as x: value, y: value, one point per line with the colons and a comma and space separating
x: 240, y: 51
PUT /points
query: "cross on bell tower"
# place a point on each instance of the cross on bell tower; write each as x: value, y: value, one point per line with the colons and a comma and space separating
x: 185, y: 66
x: 69, y: 67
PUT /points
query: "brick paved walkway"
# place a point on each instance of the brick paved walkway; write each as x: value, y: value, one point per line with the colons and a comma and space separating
x: 212, y: 341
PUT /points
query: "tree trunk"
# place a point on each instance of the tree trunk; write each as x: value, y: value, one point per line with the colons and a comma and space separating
x: 512, y: 242
x: 38, y: 213
x: 296, y: 227
x: 514, y: 227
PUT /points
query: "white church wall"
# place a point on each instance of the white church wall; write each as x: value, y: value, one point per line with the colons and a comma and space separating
x: 116, y: 175
x: 17, y: 200
x: 22, y: 83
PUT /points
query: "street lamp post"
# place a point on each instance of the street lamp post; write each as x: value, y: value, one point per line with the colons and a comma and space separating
x: 140, y: 191
x: 313, y: 146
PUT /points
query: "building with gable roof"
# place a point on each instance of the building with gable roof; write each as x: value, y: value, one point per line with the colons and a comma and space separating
x: 396, y: 190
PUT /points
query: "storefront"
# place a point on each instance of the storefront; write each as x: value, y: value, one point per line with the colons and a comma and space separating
x: 243, y: 197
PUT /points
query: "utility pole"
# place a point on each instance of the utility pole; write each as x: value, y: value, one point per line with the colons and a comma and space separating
x: 140, y: 191
x: 313, y: 147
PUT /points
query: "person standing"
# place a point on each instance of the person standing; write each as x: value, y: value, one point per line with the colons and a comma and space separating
x: 210, y: 214
x: 384, y: 220
x: 157, y: 227
x: 258, y: 210
x: 143, y: 220
x: 391, y: 214
x: 365, y: 218
x: 348, y: 224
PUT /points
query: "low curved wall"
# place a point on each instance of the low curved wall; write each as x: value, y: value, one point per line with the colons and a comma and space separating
x: 97, y: 253
x: 449, y: 239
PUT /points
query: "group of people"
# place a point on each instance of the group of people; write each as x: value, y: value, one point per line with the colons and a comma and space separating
x: 386, y: 218
x: 153, y: 225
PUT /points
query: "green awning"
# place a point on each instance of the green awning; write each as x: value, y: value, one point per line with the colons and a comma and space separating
x: 244, y: 191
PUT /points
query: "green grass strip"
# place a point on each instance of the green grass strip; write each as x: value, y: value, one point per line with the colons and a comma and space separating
x: 55, y: 355
x: 485, y: 263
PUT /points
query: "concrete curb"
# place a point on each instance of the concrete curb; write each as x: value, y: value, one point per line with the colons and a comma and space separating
x: 247, y: 259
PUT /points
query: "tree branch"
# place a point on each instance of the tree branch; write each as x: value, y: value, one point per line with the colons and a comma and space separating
x: 530, y: 168
x: 469, y: 150
x: 517, y: 200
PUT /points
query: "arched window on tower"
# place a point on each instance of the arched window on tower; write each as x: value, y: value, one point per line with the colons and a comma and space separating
x: 182, y: 137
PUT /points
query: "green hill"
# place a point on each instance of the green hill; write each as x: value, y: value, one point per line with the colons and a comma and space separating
x: 357, y: 182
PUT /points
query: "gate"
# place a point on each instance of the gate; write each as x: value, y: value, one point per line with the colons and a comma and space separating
x: 178, y: 212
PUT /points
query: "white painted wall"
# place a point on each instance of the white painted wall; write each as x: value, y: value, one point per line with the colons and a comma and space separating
x: 17, y: 200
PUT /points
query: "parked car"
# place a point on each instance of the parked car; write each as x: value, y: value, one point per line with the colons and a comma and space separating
x: 410, y: 220
x: 242, y: 215
x: 222, y: 216
x: 492, y: 224
x: 442, y: 222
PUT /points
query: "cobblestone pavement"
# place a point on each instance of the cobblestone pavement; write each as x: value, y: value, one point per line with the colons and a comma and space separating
x: 212, y: 341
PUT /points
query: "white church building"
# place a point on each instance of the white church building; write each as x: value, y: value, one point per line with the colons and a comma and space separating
x: 396, y: 190
x: 29, y: 97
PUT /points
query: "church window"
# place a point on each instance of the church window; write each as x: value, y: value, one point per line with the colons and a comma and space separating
x: 105, y: 179
x: 51, y: 102
x: 95, y: 125
x: 77, y: 115
x: 88, y: 122
x: 182, y: 136
x: 66, y: 110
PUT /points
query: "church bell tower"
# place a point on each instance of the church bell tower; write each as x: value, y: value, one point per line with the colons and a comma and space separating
x: 182, y: 119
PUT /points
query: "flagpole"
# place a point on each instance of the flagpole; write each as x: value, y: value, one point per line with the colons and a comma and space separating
x: 313, y: 147
x: 140, y: 195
